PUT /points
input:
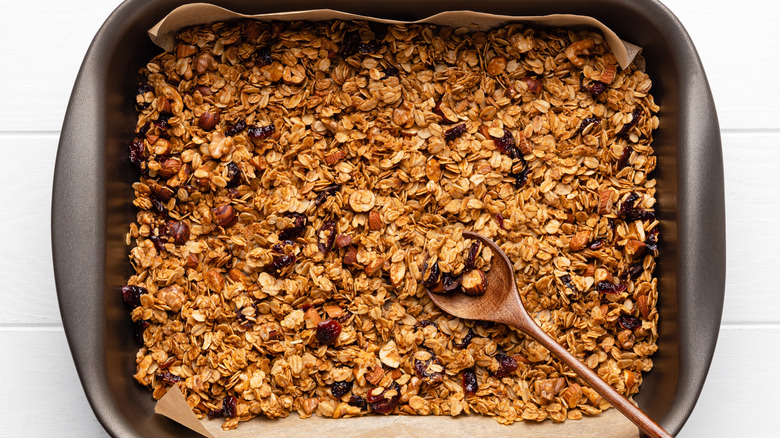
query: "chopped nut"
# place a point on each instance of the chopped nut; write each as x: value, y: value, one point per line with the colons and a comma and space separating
x: 643, y: 306
x: 474, y: 282
x: 605, y: 201
x: 572, y: 395
x: 634, y: 247
x: 374, y: 221
x: 579, y: 240
x: 335, y: 157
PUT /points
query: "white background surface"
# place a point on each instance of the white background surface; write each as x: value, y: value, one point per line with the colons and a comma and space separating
x: 42, y: 397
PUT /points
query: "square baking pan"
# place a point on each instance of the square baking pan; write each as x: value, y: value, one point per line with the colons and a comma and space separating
x: 92, y: 198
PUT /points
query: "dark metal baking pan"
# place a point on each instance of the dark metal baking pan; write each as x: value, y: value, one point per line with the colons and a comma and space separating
x: 91, y: 205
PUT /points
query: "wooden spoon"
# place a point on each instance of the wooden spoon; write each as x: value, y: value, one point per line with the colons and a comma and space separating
x: 501, y: 303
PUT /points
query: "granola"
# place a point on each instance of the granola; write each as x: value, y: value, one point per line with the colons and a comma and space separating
x: 294, y: 175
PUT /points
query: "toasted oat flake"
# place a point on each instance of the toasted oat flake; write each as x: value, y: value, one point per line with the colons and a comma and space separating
x: 321, y: 171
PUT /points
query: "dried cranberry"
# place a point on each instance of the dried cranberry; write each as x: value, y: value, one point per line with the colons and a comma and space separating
x: 466, y: 340
x: 279, y: 247
x: 179, y: 232
x: 215, y: 413
x: 500, y: 220
x: 590, y: 121
x: 652, y: 240
x: 629, y: 322
x: 623, y: 161
x: 261, y: 132
x: 229, y: 406
x: 145, y: 88
x: 434, y: 274
x: 382, y: 405
x: 470, y: 384
x: 326, y: 193
x: 280, y: 262
x: 344, y: 317
x: 471, y: 259
x: 235, y: 128
x: 506, y: 144
x: 243, y: 321
x: 628, y: 204
x: 596, y: 87
x: 521, y: 177
x: 350, y: 44
x: 233, y: 175
x: 607, y: 287
x: 425, y: 371
x: 143, y: 129
x: 162, y: 121
x: 132, y: 295
x: 136, y: 152
x: 328, y: 331
x: 299, y: 226
x: 627, y: 127
x: 340, y: 389
x: 391, y: 71
x: 566, y: 280
x: 158, y: 206
x: 425, y: 323
x: 328, y: 229
x: 169, y: 378
x: 261, y: 56
x: 158, y: 242
x: 358, y: 401
x: 138, y: 329
x: 635, y: 270
x: 506, y: 365
x: 596, y: 244
x: 450, y: 282
x: 455, y: 132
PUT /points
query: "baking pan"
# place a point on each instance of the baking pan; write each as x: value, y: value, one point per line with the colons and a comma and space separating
x: 91, y: 206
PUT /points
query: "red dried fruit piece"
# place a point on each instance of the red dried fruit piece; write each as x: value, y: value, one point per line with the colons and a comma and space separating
x: 299, y: 226
x: 328, y: 230
x: 132, y: 295
x: 624, y: 157
x: 607, y: 287
x: 233, y: 175
x: 627, y: 127
x: 455, y: 132
x: 260, y: 132
x: 358, y: 401
x: 500, y: 220
x: 450, y: 282
x: 328, y: 331
x: 521, y: 177
x: 230, y: 406
x: 340, y: 389
x: 326, y: 193
x: 235, y: 128
x: 138, y: 329
x: 169, y: 378
x: 470, y: 384
x: 381, y: 404
x: 588, y: 122
x: 471, y: 259
x: 425, y: 323
x: 280, y: 262
x: 629, y: 322
x: 635, y: 270
x: 652, y: 240
x: 506, y: 365
x: 434, y: 275
x: 390, y: 71
x: 506, y: 144
x: 136, y: 152
x: 466, y: 340
x: 566, y: 280
x: 429, y: 370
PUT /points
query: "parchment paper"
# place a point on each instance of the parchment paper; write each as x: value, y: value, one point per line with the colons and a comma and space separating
x: 610, y: 424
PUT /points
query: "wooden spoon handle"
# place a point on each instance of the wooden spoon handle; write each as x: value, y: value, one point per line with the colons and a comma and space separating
x: 633, y: 413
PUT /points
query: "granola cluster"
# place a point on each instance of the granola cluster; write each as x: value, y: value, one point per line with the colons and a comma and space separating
x: 293, y: 177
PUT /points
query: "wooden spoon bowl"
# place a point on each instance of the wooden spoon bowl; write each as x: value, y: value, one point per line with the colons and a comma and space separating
x: 501, y: 303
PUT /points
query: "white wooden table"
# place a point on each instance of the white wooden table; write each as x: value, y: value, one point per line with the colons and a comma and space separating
x: 43, y: 44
